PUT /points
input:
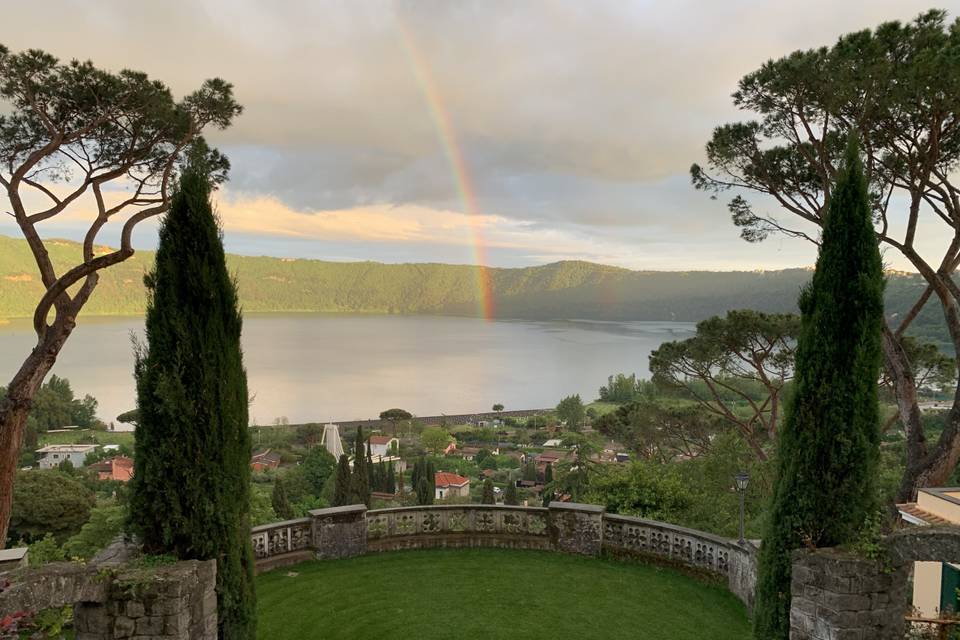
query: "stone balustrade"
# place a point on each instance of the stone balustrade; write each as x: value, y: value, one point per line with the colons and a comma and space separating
x: 565, y: 527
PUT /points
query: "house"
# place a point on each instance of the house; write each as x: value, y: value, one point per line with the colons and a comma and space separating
x: 468, y: 453
x: 553, y: 442
x: 451, y: 448
x: 934, y: 583
x: 54, y: 455
x: 264, y: 460
x: 119, y: 468
x: 382, y: 446
x: 450, y: 484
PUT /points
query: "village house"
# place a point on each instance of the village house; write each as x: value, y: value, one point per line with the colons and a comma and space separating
x: 264, y: 460
x: 119, y: 468
x: 935, y: 584
x: 383, y: 446
x: 450, y: 484
x: 54, y: 455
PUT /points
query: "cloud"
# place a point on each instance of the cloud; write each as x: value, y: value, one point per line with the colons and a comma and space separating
x: 574, y: 117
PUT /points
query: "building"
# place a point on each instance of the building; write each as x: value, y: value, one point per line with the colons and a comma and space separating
x: 331, y: 440
x: 119, y: 468
x: 56, y: 454
x: 935, y: 584
x: 382, y: 446
x: 264, y: 460
x: 450, y: 484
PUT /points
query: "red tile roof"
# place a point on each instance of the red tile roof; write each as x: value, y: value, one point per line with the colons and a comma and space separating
x: 445, y: 479
x: 380, y: 439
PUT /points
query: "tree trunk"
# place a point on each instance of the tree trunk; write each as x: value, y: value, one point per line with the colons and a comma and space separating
x: 16, y: 407
x: 908, y: 409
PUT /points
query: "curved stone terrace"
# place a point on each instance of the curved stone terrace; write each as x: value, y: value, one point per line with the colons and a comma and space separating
x: 498, y: 571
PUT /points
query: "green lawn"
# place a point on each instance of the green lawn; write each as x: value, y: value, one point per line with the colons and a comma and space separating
x: 88, y: 436
x: 491, y: 593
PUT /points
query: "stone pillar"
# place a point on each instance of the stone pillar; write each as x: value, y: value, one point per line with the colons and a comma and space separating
x: 340, y: 532
x: 838, y: 595
x: 742, y: 571
x: 172, y: 602
x: 576, y: 528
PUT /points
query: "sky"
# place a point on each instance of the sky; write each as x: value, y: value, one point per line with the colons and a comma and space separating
x: 512, y: 132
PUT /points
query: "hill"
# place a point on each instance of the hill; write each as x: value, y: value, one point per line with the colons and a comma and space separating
x: 561, y: 290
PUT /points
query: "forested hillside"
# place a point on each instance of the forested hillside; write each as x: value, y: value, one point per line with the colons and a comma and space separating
x: 560, y: 290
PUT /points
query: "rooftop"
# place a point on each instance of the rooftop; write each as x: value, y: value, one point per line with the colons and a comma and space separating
x: 446, y: 479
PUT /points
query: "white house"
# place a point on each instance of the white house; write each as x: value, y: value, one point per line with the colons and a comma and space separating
x: 380, y: 446
x: 56, y: 454
x: 935, y: 584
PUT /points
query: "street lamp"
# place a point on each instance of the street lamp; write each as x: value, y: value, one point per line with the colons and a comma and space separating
x: 741, y: 481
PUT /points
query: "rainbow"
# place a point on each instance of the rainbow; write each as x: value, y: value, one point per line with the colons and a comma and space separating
x: 446, y: 133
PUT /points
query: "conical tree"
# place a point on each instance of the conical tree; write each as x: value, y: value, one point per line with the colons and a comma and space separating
x: 343, y: 483
x: 391, y: 479
x: 280, y: 501
x: 361, y: 479
x: 190, y: 493
x: 828, y: 446
x: 488, y: 497
x: 510, y: 495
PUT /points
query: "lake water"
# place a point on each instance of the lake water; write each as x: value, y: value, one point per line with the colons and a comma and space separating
x: 313, y: 368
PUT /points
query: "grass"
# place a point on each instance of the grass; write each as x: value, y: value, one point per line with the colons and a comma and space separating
x: 491, y: 593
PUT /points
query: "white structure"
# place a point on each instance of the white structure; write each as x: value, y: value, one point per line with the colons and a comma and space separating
x: 331, y: 440
x: 56, y: 454
x: 380, y: 446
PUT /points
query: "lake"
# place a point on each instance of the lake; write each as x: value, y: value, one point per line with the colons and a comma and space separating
x: 312, y: 368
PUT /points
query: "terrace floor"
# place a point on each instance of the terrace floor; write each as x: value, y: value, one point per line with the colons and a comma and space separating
x: 491, y: 593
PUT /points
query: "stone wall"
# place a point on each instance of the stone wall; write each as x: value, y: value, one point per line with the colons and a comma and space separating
x: 564, y: 527
x: 170, y: 602
x: 840, y: 596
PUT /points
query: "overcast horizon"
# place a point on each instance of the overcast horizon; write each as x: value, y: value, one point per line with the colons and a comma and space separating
x: 437, y: 131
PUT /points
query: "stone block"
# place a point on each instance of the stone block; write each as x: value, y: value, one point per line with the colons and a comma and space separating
x: 577, y: 528
x: 340, y: 532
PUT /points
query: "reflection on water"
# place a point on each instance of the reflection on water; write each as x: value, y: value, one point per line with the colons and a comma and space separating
x: 322, y: 367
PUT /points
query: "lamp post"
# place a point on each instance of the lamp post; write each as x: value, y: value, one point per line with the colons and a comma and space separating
x: 741, y: 481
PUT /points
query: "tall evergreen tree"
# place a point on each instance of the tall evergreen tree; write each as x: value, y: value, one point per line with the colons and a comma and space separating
x: 280, y: 501
x: 828, y: 446
x: 343, y: 483
x: 391, y: 479
x: 190, y: 493
x: 548, y: 474
x: 510, y: 495
x: 361, y: 478
x: 488, y: 497
x: 371, y: 470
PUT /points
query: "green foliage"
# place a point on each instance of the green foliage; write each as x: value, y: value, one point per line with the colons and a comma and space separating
x: 105, y: 524
x: 423, y: 480
x: 280, y: 502
x: 261, y: 507
x: 571, y: 411
x: 662, y: 431
x: 510, y: 496
x: 640, y: 489
x: 828, y: 448
x: 360, y: 481
x: 318, y: 465
x: 497, y: 407
x: 621, y: 389
x: 435, y: 439
x: 48, y: 502
x: 55, y: 406
x: 191, y: 486
x: 530, y: 470
x: 488, y: 496
x: 44, y: 550
x: 343, y: 489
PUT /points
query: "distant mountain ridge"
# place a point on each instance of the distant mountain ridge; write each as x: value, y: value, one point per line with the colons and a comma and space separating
x: 560, y: 290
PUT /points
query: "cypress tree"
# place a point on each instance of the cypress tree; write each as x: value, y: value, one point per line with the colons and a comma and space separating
x: 391, y: 479
x: 548, y: 474
x: 361, y: 478
x: 190, y: 493
x: 371, y: 470
x: 488, y: 497
x: 343, y: 484
x: 280, y: 501
x: 828, y: 446
x: 510, y: 495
